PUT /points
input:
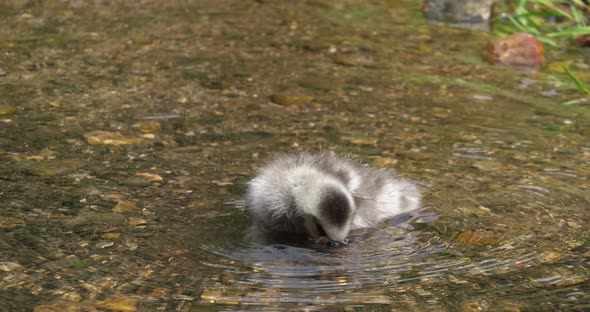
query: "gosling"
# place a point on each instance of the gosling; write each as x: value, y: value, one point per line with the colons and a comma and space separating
x: 318, y: 195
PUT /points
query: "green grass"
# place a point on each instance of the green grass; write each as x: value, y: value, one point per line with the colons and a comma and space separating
x: 533, y: 16
x: 556, y: 23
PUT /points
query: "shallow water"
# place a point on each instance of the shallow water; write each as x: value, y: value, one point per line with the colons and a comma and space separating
x: 139, y: 220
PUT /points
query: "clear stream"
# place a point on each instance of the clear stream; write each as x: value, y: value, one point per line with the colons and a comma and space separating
x: 128, y: 129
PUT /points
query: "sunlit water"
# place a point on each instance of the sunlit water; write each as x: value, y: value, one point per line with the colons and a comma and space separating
x: 139, y: 221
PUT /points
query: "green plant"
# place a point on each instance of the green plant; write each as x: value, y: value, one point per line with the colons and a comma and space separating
x: 532, y: 16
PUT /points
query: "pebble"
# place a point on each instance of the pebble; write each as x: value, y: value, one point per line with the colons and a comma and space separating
x: 135, y: 221
x: 109, y: 138
x: 123, y: 304
x: 126, y: 206
x: 363, y: 141
x: 6, y: 110
x: 53, y: 167
x: 151, y: 177
x: 9, y: 266
x: 103, y: 245
x: 11, y: 223
x: 147, y: 126
x: 290, y: 99
x: 384, y: 161
x: 487, y: 165
x: 549, y: 257
x: 520, y: 49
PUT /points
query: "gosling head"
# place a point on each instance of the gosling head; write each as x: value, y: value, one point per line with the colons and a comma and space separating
x: 332, y: 214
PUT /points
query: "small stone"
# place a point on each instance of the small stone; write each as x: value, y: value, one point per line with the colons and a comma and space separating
x: 72, y: 296
x: 123, y: 304
x: 6, y: 110
x: 484, y: 210
x: 53, y: 167
x: 384, y: 161
x: 131, y: 244
x: 363, y: 141
x: 135, y: 221
x: 126, y: 206
x: 103, y: 245
x: 487, y: 165
x: 112, y: 236
x: 9, y: 266
x: 35, y: 157
x: 478, y: 238
x: 549, y: 257
x: 520, y: 49
x: 151, y: 177
x: 573, y: 224
x: 147, y: 126
x: 11, y: 223
x: 109, y: 138
x: 290, y: 99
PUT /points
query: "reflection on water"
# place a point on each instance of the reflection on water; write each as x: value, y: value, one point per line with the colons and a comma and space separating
x: 124, y: 127
x: 379, y: 266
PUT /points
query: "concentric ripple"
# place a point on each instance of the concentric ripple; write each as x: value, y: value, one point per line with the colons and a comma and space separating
x: 379, y: 266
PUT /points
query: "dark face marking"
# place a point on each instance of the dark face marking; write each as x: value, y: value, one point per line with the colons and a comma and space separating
x: 335, y: 207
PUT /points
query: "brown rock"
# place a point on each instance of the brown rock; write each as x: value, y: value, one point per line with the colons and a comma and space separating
x: 520, y: 49
x: 583, y: 41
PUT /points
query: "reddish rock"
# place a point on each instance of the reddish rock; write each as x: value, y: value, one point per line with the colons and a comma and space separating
x: 520, y: 49
x: 583, y: 41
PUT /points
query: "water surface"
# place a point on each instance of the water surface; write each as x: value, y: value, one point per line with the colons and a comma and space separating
x: 136, y: 218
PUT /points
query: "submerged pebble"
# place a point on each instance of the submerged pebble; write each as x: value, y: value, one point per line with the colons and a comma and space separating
x: 55, y: 167
x: 290, y: 99
x: 126, y: 206
x: 11, y: 223
x: 9, y: 266
x: 109, y: 138
x: 6, y: 110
